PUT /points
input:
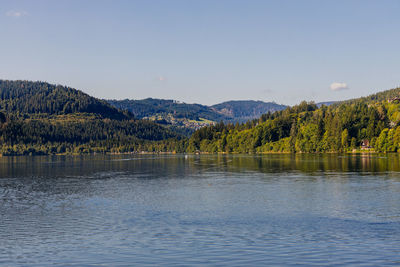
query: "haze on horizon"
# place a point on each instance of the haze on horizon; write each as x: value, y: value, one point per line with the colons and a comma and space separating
x: 205, y: 51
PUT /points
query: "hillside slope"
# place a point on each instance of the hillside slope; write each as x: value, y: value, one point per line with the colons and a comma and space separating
x: 195, y: 115
x: 150, y: 107
x: 387, y: 95
x: 27, y: 97
x: 242, y: 110
x: 41, y: 118
x: 369, y: 123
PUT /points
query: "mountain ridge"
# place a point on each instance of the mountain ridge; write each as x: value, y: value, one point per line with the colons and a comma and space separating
x: 176, y: 112
x: 243, y: 110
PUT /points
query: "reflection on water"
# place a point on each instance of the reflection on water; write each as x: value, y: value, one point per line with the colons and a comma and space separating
x: 194, y: 210
x: 305, y: 163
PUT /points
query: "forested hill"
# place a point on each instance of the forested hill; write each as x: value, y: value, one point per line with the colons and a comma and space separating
x: 243, y: 110
x: 175, y: 112
x: 148, y: 107
x: 367, y: 123
x: 40, y: 118
x: 27, y: 97
x: 388, y: 95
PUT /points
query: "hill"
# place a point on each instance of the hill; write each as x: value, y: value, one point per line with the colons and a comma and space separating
x: 28, y: 98
x: 387, y: 95
x: 194, y: 116
x: 369, y: 123
x: 41, y: 118
x: 243, y: 110
x: 150, y: 107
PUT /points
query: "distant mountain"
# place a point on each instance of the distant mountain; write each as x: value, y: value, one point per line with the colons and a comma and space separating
x: 150, y: 107
x: 243, y: 110
x: 27, y: 97
x: 195, y: 116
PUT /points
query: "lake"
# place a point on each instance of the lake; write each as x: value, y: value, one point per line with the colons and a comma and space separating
x: 177, y: 210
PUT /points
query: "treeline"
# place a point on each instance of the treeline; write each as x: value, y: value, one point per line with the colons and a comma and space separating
x: 121, y: 145
x: 359, y: 124
x: 41, y: 118
x: 85, y: 136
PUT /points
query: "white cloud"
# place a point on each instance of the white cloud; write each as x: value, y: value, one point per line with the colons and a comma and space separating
x: 16, y: 14
x: 339, y: 86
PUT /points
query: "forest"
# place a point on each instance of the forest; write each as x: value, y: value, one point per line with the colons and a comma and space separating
x: 230, y: 111
x: 22, y: 98
x: 40, y: 118
x: 364, y: 124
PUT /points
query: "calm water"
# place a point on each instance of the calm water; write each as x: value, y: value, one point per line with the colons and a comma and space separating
x: 200, y: 210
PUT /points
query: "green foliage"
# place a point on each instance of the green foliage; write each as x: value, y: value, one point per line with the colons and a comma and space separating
x: 24, y: 98
x: 244, y: 110
x: 307, y: 138
x: 233, y: 111
x: 150, y: 107
x: 41, y: 118
x: 307, y: 128
x: 86, y: 136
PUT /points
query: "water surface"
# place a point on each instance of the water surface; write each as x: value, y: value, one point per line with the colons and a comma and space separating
x: 177, y: 210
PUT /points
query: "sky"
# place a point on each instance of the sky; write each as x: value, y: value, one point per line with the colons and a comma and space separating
x: 205, y: 51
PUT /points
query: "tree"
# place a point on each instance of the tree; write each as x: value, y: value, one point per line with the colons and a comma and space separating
x: 345, y: 139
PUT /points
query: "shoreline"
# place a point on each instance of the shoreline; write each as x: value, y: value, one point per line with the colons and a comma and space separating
x: 199, y: 153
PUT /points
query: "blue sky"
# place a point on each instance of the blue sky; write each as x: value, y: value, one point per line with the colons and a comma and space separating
x: 205, y: 51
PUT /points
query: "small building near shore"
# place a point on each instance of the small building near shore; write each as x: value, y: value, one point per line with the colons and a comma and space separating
x: 365, y: 144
